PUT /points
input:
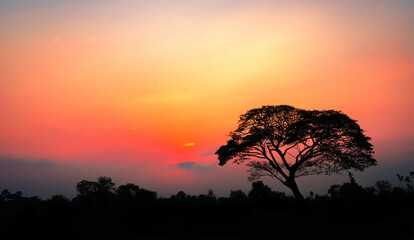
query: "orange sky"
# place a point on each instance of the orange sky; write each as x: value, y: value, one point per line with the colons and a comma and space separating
x: 132, y: 83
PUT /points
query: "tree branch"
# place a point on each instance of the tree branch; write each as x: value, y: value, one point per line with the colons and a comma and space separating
x: 282, y: 156
x: 274, y: 163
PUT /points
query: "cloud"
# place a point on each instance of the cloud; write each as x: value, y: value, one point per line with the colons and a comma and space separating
x: 186, y: 165
x: 210, y: 151
x: 207, y: 154
x: 9, y: 162
x: 191, y: 165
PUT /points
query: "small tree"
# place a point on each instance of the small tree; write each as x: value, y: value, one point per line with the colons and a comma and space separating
x: 408, y: 181
x: 350, y: 191
x: 383, y: 187
x: 238, y: 196
x: 260, y: 192
x: 101, y: 191
x: 284, y: 142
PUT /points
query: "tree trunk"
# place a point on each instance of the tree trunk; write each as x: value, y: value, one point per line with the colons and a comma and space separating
x: 294, y: 187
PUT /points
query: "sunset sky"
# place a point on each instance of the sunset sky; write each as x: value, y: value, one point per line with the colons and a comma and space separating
x: 146, y: 91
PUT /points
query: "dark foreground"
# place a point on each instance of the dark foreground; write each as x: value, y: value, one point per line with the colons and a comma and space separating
x: 102, y: 212
x: 215, y: 221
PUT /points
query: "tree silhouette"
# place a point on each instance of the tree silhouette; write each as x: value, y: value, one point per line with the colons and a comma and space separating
x: 348, y: 191
x: 101, y: 191
x: 408, y: 181
x: 127, y: 191
x: 58, y: 203
x: 146, y: 196
x: 284, y: 142
x: 383, y: 187
x: 238, y: 196
x: 181, y: 195
x: 6, y: 194
x: 132, y: 194
x: 260, y: 192
x: 210, y: 193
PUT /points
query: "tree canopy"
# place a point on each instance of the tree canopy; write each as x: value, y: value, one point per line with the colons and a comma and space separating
x: 286, y: 142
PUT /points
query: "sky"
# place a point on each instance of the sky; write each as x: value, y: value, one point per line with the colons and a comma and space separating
x: 147, y: 91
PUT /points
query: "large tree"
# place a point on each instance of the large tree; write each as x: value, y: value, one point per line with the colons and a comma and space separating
x: 284, y: 142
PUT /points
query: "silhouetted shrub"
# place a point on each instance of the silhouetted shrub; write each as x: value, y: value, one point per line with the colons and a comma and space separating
x: 349, y: 192
x: 238, y: 196
x: 407, y: 182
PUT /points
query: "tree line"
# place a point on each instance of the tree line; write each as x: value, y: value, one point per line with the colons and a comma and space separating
x: 103, y: 193
x: 102, y: 210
